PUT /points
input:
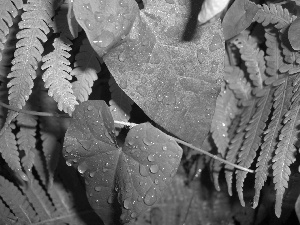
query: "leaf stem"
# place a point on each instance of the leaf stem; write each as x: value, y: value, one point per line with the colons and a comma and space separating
x: 195, y: 148
x: 129, y: 125
x: 33, y: 112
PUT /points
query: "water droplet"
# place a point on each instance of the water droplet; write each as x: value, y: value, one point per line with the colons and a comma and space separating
x: 110, y: 199
x: 122, y: 56
x: 82, y: 167
x: 159, y: 97
x: 88, y: 24
x: 98, y: 188
x: 69, y: 163
x: 146, y: 142
x: 155, y: 58
x: 151, y: 158
x: 173, y: 172
x: 136, y: 137
x: 143, y: 171
x: 216, y: 43
x: 91, y: 194
x: 127, y: 203
x: 104, y: 39
x: 141, y: 90
x: 92, y: 174
x: 214, y: 67
x: 123, y: 84
x: 201, y: 55
x: 169, y: 98
x: 164, y: 148
x: 154, y: 168
x: 140, y: 198
x: 68, y: 149
x: 90, y: 107
x: 170, y: 1
x: 156, y: 181
x: 150, y: 197
x: 133, y: 215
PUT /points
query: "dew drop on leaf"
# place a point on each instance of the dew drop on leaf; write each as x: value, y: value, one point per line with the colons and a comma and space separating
x: 146, y: 141
x: 159, y: 97
x: 92, y: 174
x: 123, y: 84
x: 110, y: 199
x: 169, y: 98
x: 127, y: 203
x: 164, y: 148
x: 201, y: 54
x: 133, y: 215
x: 216, y: 43
x: 150, y: 197
x: 82, y: 167
x: 156, y: 181
x: 69, y: 163
x: 141, y: 90
x: 214, y: 67
x: 150, y: 158
x: 90, y: 107
x: 97, y: 188
x: 143, y: 171
x: 104, y: 39
x: 140, y: 198
x: 122, y: 56
x: 154, y: 168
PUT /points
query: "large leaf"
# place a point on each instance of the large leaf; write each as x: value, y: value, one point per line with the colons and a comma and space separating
x: 293, y: 34
x: 238, y: 17
x: 133, y: 175
x: 175, y: 82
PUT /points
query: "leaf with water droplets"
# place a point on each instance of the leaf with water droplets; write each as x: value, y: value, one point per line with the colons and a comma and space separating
x: 105, y: 22
x: 173, y: 81
x: 133, y: 175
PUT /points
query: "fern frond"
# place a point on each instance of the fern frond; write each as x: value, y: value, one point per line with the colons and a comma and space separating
x: 273, y: 14
x: 253, y: 58
x: 6, y: 216
x: 270, y: 139
x: 9, y: 151
x: 291, y: 59
x: 225, y: 111
x: 120, y: 103
x: 86, y: 67
x: 8, y: 10
x: 57, y: 74
x: 285, y: 149
x: 26, y: 137
x: 252, y: 140
x: 33, y: 30
x: 237, y: 141
x: 38, y: 198
x: 237, y: 82
x: 17, y: 202
x: 273, y: 57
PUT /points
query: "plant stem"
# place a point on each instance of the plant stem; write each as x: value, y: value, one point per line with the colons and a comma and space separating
x: 33, y: 112
x: 195, y: 148
x: 129, y: 125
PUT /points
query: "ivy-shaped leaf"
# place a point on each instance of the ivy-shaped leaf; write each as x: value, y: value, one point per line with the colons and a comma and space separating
x: 174, y: 82
x: 135, y: 174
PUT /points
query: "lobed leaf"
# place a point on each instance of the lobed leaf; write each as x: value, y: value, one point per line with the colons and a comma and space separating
x: 134, y: 175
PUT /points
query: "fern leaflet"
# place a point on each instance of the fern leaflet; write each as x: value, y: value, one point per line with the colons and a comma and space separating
x: 8, y: 9
x: 33, y: 30
x: 86, y: 68
x: 285, y: 149
x: 57, y: 74
x: 225, y: 111
x: 273, y: 14
x: 252, y: 140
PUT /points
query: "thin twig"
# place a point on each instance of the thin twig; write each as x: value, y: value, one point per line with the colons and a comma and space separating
x: 130, y: 125
x: 198, y: 149
x: 33, y: 112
